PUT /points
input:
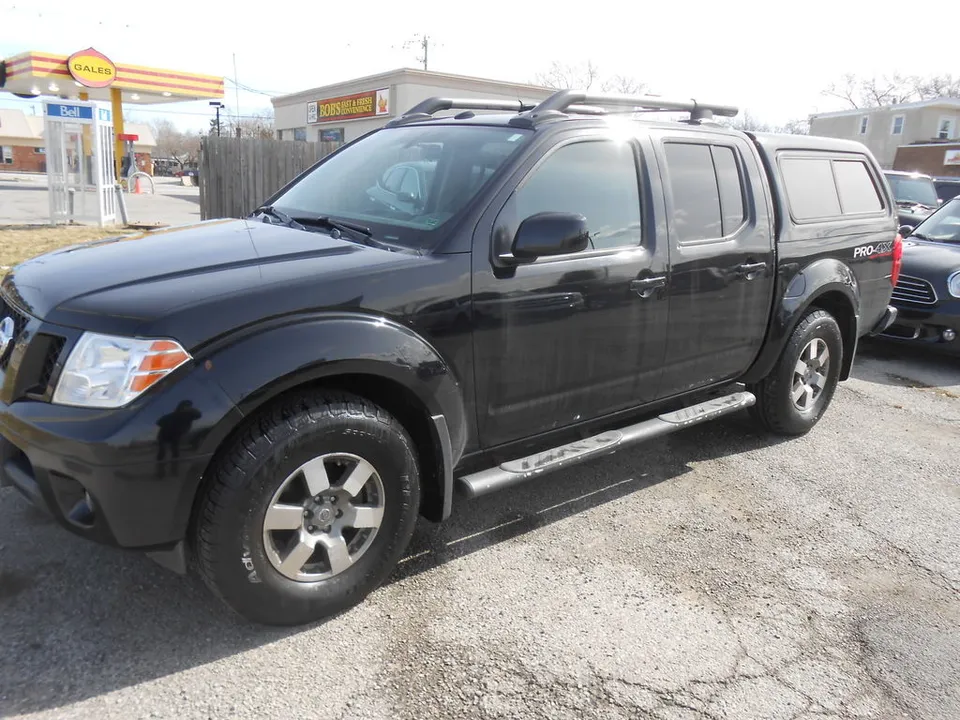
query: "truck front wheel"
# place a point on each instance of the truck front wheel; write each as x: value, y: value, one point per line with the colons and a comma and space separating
x: 794, y: 396
x: 308, y: 510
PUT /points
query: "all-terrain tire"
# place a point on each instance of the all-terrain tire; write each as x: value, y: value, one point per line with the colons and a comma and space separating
x: 230, y: 549
x: 776, y: 409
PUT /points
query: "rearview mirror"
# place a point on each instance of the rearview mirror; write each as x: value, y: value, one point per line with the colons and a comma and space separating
x: 550, y: 233
x: 905, y: 230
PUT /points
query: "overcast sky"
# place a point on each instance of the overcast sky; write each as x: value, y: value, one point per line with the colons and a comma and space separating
x: 751, y: 54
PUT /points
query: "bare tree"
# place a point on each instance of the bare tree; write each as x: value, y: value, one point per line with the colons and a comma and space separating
x: 748, y: 122
x: 795, y: 127
x: 624, y: 84
x: 937, y: 86
x: 573, y: 77
x: 870, y: 92
x: 257, y: 125
x: 183, y: 147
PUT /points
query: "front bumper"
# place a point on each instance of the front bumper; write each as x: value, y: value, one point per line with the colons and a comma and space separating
x: 938, y: 329
x: 124, y: 477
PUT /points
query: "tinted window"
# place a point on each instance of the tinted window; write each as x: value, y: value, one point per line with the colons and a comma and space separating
x: 693, y: 184
x: 858, y: 194
x: 731, y: 188
x: 810, y: 187
x: 597, y: 180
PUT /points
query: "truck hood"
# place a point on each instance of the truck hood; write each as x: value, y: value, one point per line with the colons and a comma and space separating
x: 931, y: 261
x: 170, y: 281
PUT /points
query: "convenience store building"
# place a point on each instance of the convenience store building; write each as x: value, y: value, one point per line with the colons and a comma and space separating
x: 344, y: 111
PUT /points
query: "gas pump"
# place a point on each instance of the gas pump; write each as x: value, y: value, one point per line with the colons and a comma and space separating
x: 129, y: 172
x: 79, y: 150
x: 128, y: 164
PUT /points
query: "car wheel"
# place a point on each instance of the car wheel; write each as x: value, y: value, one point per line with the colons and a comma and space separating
x: 796, y: 393
x: 308, y: 510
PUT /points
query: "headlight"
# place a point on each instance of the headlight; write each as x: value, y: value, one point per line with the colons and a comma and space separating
x: 953, y: 284
x: 107, y: 372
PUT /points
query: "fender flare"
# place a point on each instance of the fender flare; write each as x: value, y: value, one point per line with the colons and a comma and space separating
x: 272, y: 358
x: 827, y: 281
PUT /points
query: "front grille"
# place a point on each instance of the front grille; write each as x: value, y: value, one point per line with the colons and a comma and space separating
x: 19, y: 325
x: 53, y: 350
x: 915, y: 291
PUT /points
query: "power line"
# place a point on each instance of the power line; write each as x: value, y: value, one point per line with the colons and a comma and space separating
x: 247, y: 88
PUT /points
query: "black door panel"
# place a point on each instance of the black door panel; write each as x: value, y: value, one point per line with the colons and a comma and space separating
x: 721, y: 257
x: 570, y: 338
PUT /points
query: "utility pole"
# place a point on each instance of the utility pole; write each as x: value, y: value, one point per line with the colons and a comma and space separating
x: 424, y: 44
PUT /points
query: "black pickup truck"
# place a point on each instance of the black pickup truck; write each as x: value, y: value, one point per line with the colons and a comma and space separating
x: 454, y: 301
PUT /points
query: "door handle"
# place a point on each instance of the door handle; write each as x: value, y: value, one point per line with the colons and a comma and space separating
x: 751, y: 270
x: 644, y: 287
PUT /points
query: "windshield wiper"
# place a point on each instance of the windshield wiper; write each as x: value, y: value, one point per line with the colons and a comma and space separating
x: 359, y: 232
x: 920, y: 236
x: 271, y: 211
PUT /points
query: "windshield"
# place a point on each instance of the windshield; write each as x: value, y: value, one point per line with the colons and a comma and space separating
x: 942, y: 226
x: 404, y: 183
x: 913, y: 190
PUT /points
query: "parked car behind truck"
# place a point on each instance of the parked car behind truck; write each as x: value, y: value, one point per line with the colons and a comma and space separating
x: 916, y: 195
x: 927, y: 294
x: 332, y: 367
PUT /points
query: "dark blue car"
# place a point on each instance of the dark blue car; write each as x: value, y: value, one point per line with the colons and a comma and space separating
x: 927, y: 294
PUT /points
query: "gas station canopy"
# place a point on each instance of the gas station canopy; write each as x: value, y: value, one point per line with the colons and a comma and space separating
x: 90, y: 74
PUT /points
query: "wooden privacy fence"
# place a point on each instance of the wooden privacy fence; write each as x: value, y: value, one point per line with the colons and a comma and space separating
x: 238, y: 175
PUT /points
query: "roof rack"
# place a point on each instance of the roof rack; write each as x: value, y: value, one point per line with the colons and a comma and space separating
x: 428, y: 107
x: 565, y: 102
x: 562, y: 104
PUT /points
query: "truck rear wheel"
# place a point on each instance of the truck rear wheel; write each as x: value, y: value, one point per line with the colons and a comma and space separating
x: 796, y: 393
x: 309, y: 510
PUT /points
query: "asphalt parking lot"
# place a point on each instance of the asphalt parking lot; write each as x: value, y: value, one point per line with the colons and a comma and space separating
x: 714, y: 574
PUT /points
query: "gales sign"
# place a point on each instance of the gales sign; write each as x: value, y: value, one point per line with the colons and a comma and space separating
x: 91, y: 68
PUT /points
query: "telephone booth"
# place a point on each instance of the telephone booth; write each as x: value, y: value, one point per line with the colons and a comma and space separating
x: 80, y: 162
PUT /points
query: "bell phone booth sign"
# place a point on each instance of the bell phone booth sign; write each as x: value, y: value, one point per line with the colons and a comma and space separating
x: 80, y: 169
x: 951, y: 157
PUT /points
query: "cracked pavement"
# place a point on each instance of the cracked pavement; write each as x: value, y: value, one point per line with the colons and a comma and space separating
x: 714, y: 574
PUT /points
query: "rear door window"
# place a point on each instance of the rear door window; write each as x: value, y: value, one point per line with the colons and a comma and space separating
x: 707, y: 190
x: 730, y: 185
x: 693, y: 185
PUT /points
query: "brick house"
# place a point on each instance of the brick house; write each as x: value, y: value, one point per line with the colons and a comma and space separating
x: 22, y: 144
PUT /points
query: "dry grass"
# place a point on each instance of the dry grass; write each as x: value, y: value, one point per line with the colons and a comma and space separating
x: 20, y: 242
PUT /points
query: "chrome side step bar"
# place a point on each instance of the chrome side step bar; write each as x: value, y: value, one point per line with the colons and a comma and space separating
x: 517, y: 471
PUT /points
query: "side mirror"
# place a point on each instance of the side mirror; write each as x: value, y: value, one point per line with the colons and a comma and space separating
x: 905, y: 230
x: 550, y: 233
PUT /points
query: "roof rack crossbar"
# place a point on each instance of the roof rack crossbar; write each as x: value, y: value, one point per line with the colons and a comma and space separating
x: 436, y: 104
x: 425, y: 109
x: 573, y: 101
